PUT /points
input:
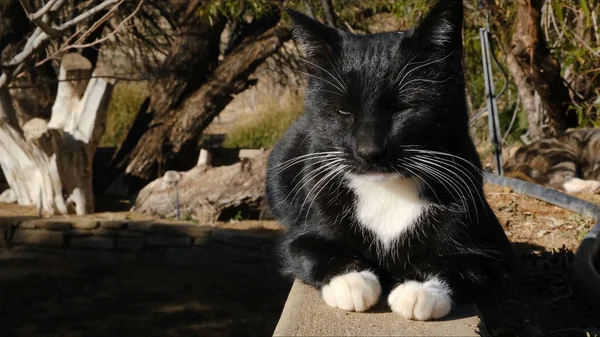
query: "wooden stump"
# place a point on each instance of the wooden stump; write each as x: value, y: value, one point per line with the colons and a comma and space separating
x: 49, y: 164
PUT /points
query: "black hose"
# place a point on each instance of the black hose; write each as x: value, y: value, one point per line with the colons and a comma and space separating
x: 585, y: 275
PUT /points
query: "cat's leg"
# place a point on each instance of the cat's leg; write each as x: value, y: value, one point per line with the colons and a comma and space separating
x: 346, y: 281
x: 422, y: 300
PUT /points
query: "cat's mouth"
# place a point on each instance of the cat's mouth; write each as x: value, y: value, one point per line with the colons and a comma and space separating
x: 378, y: 170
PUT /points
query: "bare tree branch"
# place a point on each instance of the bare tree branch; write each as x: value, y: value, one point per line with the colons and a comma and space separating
x: 45, y: 31
x: 37, y: 17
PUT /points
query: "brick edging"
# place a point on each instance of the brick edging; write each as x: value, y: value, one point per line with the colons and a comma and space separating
x: 111, y: 241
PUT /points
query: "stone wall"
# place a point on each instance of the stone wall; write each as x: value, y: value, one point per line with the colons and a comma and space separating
x: 116, y: 241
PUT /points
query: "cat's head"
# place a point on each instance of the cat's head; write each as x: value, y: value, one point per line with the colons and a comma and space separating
x: 374, y: 96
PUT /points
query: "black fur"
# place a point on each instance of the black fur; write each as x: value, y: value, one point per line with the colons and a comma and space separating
x: 405, y: 92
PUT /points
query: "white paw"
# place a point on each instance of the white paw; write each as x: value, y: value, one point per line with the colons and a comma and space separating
x: 421, y: 301
x: 354, y: 291
x: 576, y: 185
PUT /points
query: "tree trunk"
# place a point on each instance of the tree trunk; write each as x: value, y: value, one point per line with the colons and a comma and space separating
x: 175, y: 128
x: 536, y: 69
x: 194, y: 54
x: 45, y: 161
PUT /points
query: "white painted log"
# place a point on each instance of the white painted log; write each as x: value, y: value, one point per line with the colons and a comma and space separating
x: 8, y: 196
x: 204, y: 192
x: 46, y: 162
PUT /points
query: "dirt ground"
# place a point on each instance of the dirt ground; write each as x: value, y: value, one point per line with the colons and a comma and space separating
x: 543, y: 301
x: 537, y: 223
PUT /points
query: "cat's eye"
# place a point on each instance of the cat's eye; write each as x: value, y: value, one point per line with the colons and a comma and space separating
x: 343, y: 112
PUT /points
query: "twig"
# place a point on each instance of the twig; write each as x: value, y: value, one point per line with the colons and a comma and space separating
x: 36, y: 17
x: 114, y: 77
x: 512, y: 120
x: 587, y: 46
x: 87, y: 14
x: 129, y: 17
x: 39, y: 37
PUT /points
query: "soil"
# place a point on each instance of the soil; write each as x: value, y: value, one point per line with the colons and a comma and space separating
x: 543, y: 301
x: 536, y: 223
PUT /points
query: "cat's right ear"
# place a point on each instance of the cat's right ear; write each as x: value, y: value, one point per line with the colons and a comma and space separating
x: 316, y: 39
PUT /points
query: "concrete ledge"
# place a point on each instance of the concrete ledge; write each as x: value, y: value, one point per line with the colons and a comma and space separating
x: 305, y: 314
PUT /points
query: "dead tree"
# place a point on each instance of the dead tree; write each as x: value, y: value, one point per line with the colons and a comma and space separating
x: 48, y: 164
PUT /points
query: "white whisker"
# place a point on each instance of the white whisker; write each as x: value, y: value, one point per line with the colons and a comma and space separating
x: 460, y: 181
x: 324, y: 80
x: 423, y: 65
x: 330, y: 74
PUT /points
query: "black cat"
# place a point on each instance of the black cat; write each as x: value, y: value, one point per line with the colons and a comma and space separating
x: 378, y: 181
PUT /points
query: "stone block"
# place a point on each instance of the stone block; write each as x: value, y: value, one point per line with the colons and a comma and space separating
x: 27, y: 224
x: 112, y: 224
x: 37, y: 237
x: 93, y: 242
x: 183, y: 229
x: 237, y: 238
x: 80, y: 232
x: 117, y: 233
x: 100, y: 256
x: 14, y: 221
x: 190, y: 257
x: 84, y: 224
x: 34, y: 254
x: 131, y: 243
x: 236, y: 254
x: 3, y: 236
x: 201, y: 241
x: 52, y: 225
x: 141, y: 226
x: 168, y: 241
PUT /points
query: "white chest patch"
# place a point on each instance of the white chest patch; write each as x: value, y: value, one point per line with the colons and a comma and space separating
x: 389, y: 206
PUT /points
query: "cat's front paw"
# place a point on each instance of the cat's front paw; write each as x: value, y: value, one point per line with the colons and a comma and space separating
x: 354, y: 291
x: 421, y: 300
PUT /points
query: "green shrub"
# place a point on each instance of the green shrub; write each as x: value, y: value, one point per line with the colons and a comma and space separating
x: 125, y: 103
x: 265, y: 129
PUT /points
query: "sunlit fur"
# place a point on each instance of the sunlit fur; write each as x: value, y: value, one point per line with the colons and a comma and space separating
x: 379, y: 174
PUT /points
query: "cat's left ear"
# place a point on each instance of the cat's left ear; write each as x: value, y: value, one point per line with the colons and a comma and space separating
x: 443, y: 25
x: 316, y: 39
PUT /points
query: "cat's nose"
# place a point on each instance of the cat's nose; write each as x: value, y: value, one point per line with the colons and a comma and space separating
x: 369, y: 151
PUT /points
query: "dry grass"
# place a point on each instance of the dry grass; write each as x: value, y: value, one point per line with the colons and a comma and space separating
x: 124, y: 106
x: 265, y: 128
